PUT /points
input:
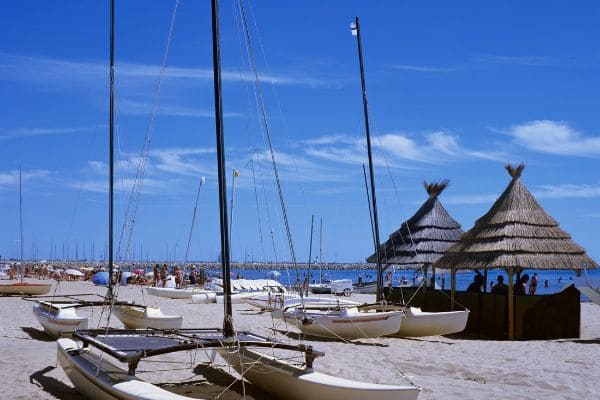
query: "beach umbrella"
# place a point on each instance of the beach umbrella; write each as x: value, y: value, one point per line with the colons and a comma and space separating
x: 74, y: 272
x: 100, y: 278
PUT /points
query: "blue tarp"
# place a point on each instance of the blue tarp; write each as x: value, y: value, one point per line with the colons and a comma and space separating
x: 100, y: 278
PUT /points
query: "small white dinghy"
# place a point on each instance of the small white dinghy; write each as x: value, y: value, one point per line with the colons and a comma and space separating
x: 59, y: 318
x: 173, y: 293
x: 24, y: 289
x: 421, y: 323
x: 143, y: 317
x: 291, y: 382
x: 347, y: 323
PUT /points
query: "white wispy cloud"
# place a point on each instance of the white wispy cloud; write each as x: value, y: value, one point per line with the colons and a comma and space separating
x: 554, y: 137
x: 131, y: 107
x: 526, y: 60
x: 567, y: 191
x: 423, y: 68
x: 397, y: 148
x: 30, y: 132
x: 11, y: 178
x: 49, y: 71
x: 562, y: 191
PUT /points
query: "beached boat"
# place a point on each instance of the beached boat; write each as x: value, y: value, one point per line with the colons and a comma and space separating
x: 173, y: 293
x: 25, y: 289
x: 98, y: 378
x: 421, y: 323
x: 144, y: 317
x: 343, y: 322
x: 59, y: 319
x: 286, y: 380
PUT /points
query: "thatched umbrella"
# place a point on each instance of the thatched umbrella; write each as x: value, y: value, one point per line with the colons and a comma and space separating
x: 516, y: 233
x: 424, y: 237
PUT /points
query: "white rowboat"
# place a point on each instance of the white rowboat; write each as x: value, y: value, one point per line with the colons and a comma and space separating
x: 420, y: 323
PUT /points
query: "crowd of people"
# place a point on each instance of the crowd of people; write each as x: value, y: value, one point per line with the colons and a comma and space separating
x: 523, y: 285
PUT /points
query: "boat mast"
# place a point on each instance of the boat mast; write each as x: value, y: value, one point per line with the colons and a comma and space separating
x: 21, y: 223
x: 312, y: 221
x: 111, y: 148
x: 356, y: 31
x: 228, y: 319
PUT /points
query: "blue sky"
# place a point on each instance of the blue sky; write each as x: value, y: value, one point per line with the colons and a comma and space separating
x: 456, y: 89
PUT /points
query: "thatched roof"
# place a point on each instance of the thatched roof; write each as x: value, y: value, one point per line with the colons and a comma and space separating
x: 425, y: 236
x: 516, y: 232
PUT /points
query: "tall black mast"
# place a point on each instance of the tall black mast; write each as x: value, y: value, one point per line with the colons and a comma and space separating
x: 225, y: 267
x: 111, y: 148
x: 356, y: 31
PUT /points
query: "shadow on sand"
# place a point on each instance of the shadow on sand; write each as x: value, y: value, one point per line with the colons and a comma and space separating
x: 215, y: 383
x: 53, y: 386
x: 37, y: 334
x: 300, y: 336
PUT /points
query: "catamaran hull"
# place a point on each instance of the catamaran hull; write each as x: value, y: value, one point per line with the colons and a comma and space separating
x: 102, y: 380
x: 25, y: 289
x: 63, y: 322
x: 289, y: 382
x: 347, y: 326
x: 419, y: 323
x: 134, y: 317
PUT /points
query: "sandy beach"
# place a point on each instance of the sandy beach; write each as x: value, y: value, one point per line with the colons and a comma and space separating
x: 443, y: 367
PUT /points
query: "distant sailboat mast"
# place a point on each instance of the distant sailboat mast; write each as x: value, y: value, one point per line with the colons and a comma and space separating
x: 21, y: 223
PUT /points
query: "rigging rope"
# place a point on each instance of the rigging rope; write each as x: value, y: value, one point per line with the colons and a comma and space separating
x: 187, y: 249
x: 131, y: 210
x: 267, y: 131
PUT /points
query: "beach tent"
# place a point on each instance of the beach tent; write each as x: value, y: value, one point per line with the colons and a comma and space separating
x: 73, y: 272
x: 515, y: 234
x: 423, y: 238
x: 100, y: 278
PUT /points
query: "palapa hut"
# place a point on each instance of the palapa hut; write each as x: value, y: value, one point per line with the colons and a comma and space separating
x: 424, y: 237
x: 516, y: 233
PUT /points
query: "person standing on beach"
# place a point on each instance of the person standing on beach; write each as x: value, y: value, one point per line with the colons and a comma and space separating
x: 156, y: 275
x: 520, y: 287
x: 500, y: 287
x: 163, y: 275
x: 475, y: 286
x: 533, y: 284
x: 177, y: 278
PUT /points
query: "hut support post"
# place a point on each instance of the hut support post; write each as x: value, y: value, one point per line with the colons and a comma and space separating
x: 511, y: 305
x: 452, y: 288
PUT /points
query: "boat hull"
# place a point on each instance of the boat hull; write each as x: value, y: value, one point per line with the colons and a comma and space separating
x: 418, y: 323
x: 171, y: 293
x: 58, y: 321
x: 136, y: 317
x: 346, y: 324
x: 25, y: 289
x: 289, y: 382
x: 101, y: 379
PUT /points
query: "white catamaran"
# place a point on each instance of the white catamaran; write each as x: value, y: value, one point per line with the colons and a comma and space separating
x: 97, y: 377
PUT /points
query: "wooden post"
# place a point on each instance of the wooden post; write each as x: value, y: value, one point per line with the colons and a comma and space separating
x: 511, y: 305
x: 433, y: 277
x: 452, y: 288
